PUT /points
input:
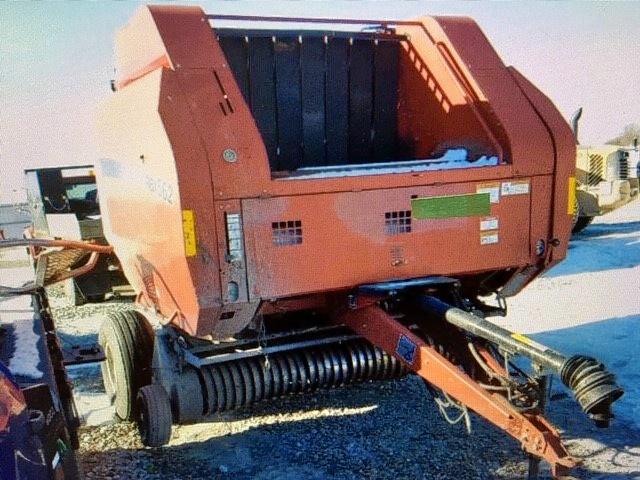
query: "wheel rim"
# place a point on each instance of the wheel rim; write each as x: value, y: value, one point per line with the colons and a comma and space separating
x: 110, y: 371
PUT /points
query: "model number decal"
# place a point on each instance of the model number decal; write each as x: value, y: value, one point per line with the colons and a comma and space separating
x: 132, y: 174
x: 489, y: 238
x: 160, y: 188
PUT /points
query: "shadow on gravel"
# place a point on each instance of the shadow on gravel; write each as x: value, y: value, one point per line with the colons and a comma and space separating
x: 602, y: 229
x: 614, y: 342
x: 373, y: 431
x: 601, y: 247
x: 387, y: 430
x: 70, y: 340
x: 605, y: 451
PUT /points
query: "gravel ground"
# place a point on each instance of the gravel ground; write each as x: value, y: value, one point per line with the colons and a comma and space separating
x: 385, y: 430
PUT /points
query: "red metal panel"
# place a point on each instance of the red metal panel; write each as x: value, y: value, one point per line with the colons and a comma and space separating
x: 541, y: 194
x: 531, y: 148
x: 218, y: 156
x: 344, y: 242
x: 565, y: 165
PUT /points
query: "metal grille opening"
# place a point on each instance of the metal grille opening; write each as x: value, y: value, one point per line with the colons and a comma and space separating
x: 287, y: 233
x: 596, y: 169
x: 623, y: 166
x: 397, y: 222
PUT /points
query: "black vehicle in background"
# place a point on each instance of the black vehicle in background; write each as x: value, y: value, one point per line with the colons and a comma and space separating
x: 64, y: 203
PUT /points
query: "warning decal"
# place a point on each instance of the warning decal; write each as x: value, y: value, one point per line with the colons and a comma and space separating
x: 515, y: 188
x: 527, y: 341
x: 489, y: 223
x: 493, y: 189
x: 572, y: 205
x: 189, y: 232
x: 488, y: 238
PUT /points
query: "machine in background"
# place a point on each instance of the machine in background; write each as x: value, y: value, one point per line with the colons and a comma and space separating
x: 606, y: 178
x: 64, y: 203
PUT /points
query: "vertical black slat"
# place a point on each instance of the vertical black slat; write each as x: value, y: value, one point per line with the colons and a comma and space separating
x: 385, y: 102
x: 289, y: 105
x: 360, y: 100
x: 235, y: 50
x: 337, y: 101
x: 263, y: 95
x: 313, y: 69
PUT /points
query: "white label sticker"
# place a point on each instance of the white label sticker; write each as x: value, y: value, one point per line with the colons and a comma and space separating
x: 515, y: 188
x: 488, y: 238
x: 489, y: 223
x: 493, y: 189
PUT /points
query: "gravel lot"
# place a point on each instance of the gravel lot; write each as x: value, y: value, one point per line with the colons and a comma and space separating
x: 383, y: 430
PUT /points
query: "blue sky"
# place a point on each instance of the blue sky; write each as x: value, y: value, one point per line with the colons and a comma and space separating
x: 57, y: 60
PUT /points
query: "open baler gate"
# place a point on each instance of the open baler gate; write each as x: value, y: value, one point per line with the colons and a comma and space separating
x: 282, y: 194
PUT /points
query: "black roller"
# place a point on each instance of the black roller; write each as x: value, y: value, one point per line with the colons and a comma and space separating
x: 245, y: 381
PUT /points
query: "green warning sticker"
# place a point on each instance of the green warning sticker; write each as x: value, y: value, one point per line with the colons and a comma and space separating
x: 470, y: 205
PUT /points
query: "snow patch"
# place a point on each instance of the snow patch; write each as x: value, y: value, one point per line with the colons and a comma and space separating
x: 452, y: 159
x: 25, y: 358
x: 17, y: 312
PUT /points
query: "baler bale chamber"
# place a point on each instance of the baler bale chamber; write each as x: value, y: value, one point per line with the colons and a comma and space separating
x: 326, y: 201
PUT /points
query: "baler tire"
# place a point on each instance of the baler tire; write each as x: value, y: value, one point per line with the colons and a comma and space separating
x: 581, y: 223
x: 127, y: 340
x: 153, y: 415
x: 186, y: 398
x: 70, y: 466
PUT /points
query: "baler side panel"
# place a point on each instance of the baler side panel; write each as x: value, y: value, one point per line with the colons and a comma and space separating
x: 438, y: 107
x: 139, y: 199
x: 565, y: 164
x: 531, y: 148
x: 190, y: 157
x: 220, y: 114
x: 346, y: 239
x: 139, y: 48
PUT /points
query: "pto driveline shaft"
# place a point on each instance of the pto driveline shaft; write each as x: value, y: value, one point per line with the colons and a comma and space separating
x: 482, y: 328
x: 594, y: 387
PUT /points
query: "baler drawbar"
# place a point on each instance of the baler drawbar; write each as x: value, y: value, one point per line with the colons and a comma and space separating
x: 329, y: 202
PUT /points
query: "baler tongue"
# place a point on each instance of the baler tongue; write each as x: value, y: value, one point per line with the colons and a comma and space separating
x: 594, y: 387
x: 446, y: 349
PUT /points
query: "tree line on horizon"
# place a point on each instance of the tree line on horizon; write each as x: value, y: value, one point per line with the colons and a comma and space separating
x: 630, y: 133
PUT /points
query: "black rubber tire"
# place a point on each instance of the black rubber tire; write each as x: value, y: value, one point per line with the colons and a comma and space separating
x: 127, y: 341
x: 70, y: 466
x: 153, y: 415
x: 581, y: 223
